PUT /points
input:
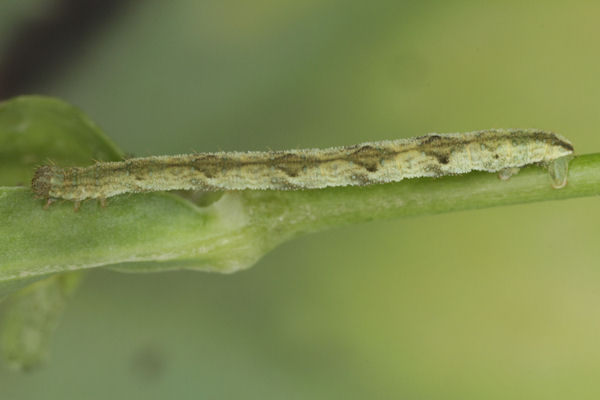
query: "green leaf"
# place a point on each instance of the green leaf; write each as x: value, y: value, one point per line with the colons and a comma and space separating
x: 30, y: 317
x: 33, y: 130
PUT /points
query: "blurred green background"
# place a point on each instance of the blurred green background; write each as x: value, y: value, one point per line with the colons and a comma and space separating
x: 497, y: 303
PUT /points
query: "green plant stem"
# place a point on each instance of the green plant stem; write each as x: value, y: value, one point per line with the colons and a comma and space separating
x: 157, y: 232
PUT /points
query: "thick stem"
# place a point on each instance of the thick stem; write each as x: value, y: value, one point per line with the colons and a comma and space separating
x: 157, y: 232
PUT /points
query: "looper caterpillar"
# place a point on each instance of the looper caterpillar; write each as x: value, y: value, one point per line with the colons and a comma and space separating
x: 432, y: 155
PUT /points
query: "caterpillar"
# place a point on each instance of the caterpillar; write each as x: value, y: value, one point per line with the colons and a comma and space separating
x: 431, y: 155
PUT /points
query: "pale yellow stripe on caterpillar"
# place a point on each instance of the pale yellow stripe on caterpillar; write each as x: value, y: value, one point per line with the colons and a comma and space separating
x: 431, y: 155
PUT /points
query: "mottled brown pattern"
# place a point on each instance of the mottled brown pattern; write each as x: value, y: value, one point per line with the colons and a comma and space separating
x: 370, y: 157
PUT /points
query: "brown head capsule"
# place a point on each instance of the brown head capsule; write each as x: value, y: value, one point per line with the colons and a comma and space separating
x: 41, y: 182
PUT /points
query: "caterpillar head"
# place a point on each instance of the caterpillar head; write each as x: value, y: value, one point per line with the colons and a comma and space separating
x: 41, y: 182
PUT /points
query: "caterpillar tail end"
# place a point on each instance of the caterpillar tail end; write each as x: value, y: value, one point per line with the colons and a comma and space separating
x: 558, y: 171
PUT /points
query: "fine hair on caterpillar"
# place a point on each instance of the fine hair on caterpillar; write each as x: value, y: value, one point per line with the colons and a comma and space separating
x: 431, y: 155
